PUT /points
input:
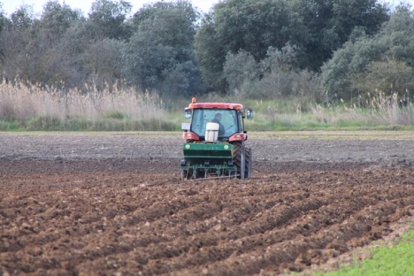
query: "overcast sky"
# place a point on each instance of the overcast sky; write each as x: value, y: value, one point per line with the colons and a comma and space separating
x: 9, y: 6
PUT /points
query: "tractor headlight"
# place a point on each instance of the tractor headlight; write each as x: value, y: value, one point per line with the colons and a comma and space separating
x: 226, y: 147
x: 187, y: 146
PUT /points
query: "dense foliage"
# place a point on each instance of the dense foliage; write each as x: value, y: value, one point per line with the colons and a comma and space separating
x: 311, y: 49
x: 159, y: 54
x: 375, y: 66
x: 153, y: 49
x: 315, y: 27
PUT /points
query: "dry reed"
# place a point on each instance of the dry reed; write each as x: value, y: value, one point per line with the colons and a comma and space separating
x: 379, y: 110
x: 22, y: 102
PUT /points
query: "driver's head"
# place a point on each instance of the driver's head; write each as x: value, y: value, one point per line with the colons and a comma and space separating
x: 217, y: 116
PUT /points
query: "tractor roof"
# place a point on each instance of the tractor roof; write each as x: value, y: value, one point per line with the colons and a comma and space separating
x: 231, y: 106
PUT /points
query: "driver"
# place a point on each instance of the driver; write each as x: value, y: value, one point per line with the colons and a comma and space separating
x: 217, y: 119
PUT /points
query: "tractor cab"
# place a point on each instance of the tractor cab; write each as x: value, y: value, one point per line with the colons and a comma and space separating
x: 215, y: 141
x: 230, y: 122
x: 228, y: 117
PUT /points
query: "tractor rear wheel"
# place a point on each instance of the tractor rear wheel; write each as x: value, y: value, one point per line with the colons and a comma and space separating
x: 240, y: 161
x: 249, y: 163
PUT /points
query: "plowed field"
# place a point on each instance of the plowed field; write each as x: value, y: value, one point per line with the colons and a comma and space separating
x: 64, y: 211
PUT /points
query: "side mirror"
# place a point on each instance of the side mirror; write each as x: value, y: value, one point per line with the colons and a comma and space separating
x: 185, y: 126
x: 188, y: 113
x: 249, y: 114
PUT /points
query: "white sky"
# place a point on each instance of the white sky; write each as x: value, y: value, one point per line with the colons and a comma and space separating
x: 9, y: 6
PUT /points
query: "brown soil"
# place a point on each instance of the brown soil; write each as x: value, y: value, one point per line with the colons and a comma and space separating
x: 135, y: 216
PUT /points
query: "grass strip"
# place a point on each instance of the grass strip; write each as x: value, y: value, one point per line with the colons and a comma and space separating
x: 397, y: 260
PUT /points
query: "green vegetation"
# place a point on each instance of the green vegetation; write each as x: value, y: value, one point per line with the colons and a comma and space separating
x: 32, y: 108
x: 106, y: 124
x: 373, y: 66
x: 301, y: 64
x: 294, y: 115
x: 55, y: 124
x: 314, y: 29
x: 271, y: 49
x: 396, y: 260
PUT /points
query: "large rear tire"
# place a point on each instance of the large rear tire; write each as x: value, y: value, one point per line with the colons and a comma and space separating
x: 240, y: 161
x: 249, y: 163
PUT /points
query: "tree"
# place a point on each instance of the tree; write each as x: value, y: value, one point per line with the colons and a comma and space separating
x: 3, y: 22
x: 329, y: 24
x: 358, y: 68
x: 240, y: 68
x: 3, y: 19
x: 211, y: 54
x: 40, y: 50
x: 107, y: 19
x: 15, y: 39
x: 235, y: 25
x: 21, y: 19
x: 274, y: 77
x: 103, y: 61
x: 315, y: 28
x: 253, y: 25
x: 386, y: 78
x: 50, y: 61
x: 57, y: 18
x: 161, y: 49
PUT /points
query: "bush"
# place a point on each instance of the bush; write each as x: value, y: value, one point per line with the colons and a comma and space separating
x: 275, y: 77
x: 368, y: 66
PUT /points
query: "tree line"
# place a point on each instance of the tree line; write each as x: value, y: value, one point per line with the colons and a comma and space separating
x: 323, y: 50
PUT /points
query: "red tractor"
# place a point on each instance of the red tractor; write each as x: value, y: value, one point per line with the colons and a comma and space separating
x: 216, y: 141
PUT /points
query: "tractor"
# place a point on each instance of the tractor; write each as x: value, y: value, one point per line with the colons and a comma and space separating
x: 215, y: 141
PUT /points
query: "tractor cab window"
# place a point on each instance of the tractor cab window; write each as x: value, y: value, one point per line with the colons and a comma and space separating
x: 241, y: 123
x: 227, y: 119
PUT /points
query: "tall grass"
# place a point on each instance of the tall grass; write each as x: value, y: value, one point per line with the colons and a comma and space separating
x: 377, y: 113
x: 386, y: 111
x: 33, y: 107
